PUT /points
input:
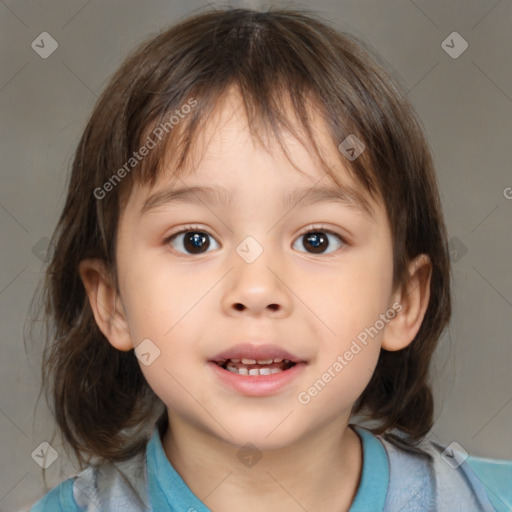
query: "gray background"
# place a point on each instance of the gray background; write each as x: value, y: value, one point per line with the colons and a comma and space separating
x: 465, y: 104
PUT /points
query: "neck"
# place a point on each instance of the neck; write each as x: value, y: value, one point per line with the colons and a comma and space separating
x: 319, y: 472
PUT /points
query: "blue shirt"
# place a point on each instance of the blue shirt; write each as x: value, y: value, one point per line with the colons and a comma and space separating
x: 393, y: 478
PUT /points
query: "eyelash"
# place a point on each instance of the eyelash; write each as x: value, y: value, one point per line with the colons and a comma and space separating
x: 311, y: 229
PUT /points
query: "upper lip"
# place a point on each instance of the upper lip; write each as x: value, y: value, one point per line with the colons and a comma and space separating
x: 256, y: 352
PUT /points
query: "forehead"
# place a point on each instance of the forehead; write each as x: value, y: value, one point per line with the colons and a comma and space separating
x: 225, y: 143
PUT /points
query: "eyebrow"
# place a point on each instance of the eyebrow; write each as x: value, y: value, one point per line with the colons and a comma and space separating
x: 220, y: 195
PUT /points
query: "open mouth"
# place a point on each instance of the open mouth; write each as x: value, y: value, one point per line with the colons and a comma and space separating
x: 257, y: 370
x: 253, y: 367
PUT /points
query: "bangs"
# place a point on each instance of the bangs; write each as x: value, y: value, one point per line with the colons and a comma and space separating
x: 273, y: 71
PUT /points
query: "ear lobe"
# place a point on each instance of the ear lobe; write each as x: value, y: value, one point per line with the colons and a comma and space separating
x: 414, y: 299
x: 105, y: 303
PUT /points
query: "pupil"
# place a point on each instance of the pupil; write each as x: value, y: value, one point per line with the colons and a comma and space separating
x: 317, y: 241
x: 195, y: 242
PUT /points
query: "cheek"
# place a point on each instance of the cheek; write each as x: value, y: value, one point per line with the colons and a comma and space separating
x: 165, y: 307
x: 354, y: 298
x: 352, y: 308
x: 168, y: 305
x: 336, y: 390
x: 159, y: 298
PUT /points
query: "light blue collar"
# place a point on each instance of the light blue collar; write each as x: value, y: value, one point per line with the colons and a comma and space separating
x: 373, y: 488
x: 168, y: 491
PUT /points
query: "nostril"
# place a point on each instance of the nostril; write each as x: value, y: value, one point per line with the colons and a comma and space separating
x: 240, y: 307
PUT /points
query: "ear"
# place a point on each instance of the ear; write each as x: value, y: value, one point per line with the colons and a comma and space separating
x: 106, y: 305
x: 414, y: 298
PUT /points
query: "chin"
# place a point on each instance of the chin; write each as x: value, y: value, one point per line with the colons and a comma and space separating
x: 265, y: 435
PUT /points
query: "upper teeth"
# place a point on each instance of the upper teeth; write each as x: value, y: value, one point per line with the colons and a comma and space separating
x: 253, y: 371
x: 246, y: 366
x: 257, y: 361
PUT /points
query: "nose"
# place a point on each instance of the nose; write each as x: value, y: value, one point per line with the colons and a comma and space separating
x: 257, y: 288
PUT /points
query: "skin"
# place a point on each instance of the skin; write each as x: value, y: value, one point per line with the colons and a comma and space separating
x: 192, y: 306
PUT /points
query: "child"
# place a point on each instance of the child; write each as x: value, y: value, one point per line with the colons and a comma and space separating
x: 223, y: 379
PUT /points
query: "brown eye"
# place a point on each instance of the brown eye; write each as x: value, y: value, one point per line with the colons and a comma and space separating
x: 317, y: 242
x: 191, y: 242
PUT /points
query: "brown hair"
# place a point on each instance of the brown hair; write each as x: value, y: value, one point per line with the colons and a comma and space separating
x: 98, y: 394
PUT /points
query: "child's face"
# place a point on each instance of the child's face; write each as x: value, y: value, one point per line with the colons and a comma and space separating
x: 196, y: 301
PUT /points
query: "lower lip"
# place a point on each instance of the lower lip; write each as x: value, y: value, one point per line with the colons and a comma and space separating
x: 257, y: 385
